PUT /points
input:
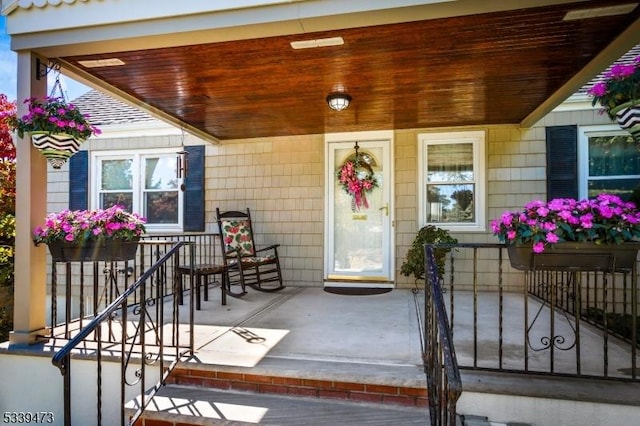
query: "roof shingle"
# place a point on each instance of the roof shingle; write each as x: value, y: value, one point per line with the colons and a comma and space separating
x: 625, y: 59
x: 102, y: 110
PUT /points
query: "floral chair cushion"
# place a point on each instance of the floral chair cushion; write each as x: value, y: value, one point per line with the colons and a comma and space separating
x: 254, y: 260
x: 236, y: 234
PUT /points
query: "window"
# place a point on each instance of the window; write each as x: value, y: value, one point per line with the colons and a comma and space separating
x: 451, y: 193
x: 144, y: 183
x: 609, y: 162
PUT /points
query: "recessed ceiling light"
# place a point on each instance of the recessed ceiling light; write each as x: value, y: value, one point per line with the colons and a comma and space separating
x: 321, y: 42
x: 95, y: 63
x: 596, y: 12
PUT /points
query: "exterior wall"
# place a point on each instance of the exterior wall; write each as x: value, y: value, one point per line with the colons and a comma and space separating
x: 31, y: 384
x: 282, y: 181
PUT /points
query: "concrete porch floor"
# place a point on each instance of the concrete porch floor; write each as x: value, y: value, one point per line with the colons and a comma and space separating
x: 310, y: 331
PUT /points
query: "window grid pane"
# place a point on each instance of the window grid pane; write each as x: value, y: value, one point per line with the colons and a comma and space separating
x: 161, y: 173
x: 160, y: 177
x: 116, y: 174
x: 450, y: 162
x: 613, y: 165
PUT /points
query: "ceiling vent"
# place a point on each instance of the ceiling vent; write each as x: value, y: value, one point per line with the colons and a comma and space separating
x: 321, y: 42
x: 111, y: 62
x: 597, y: 12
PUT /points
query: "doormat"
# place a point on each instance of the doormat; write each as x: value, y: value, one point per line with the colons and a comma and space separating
x: 357, y: 291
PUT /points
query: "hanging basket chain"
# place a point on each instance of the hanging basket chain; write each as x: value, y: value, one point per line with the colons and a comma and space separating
x: 57, y: 86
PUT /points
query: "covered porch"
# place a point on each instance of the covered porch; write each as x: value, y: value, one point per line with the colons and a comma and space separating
x: 231, y: 77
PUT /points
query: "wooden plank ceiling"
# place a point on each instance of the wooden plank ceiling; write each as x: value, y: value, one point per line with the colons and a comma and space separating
x: 493, y: 68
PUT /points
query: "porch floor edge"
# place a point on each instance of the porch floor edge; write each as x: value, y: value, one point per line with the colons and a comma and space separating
x: 552, y: 387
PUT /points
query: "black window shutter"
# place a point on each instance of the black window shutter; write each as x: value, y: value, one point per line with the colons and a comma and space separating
x: 562, y: 162
x: 194, y: 190
x: 79, y: 181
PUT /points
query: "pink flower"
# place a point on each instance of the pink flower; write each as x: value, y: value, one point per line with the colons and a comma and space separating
x: 565, y: 215
x: 586, y: 221
x: 542, y: 211
x: 598, y: 89
x: 538, y: 247
x: 619, y: 71
x: 507, y: 218
x: 549, y: 226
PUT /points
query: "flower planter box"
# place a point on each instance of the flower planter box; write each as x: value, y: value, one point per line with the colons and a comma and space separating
x: 93, y: 251
x: 575, y: 256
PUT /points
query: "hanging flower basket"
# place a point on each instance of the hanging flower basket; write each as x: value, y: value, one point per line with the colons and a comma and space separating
x: 93, y: 251
x: 628, y: 117
x: 56, y: 147
x: 357, y: 179
x: 619, y: 96
x: 57, y: 128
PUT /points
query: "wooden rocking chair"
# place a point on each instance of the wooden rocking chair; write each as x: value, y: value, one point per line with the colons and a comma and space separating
x: 245, y: 265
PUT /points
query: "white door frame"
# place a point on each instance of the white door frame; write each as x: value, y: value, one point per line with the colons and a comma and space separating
x: 388, y: 185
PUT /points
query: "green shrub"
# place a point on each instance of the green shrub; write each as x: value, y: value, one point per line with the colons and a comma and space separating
x: 414, y: 262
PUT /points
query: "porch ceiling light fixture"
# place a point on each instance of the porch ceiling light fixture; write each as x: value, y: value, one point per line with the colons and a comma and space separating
x: 338, y: 101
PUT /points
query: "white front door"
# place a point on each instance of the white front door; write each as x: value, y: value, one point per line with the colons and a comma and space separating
x: 358, y: 234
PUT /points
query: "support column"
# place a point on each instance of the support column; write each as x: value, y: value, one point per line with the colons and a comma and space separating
x: 30, y: 290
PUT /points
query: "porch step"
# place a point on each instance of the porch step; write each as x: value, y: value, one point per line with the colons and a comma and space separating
x: 193, y: 405
x: 315, y: 383
x: 292, y: 392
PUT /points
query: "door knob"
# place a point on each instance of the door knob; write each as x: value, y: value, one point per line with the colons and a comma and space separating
x: 385, y: 208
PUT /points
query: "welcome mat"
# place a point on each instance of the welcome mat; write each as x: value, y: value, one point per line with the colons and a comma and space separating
x: 357, y: 291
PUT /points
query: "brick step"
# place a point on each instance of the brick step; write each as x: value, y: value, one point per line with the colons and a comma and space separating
x: 177, y: 405
x: 360, y: 391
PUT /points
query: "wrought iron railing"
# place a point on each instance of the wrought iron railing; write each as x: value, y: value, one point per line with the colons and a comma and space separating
x: 140, y: 334
x: 441, y: 367
x: 540, y: 322
x: 206, y: 245
x: 80, y: 290
x: 546, y: 322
